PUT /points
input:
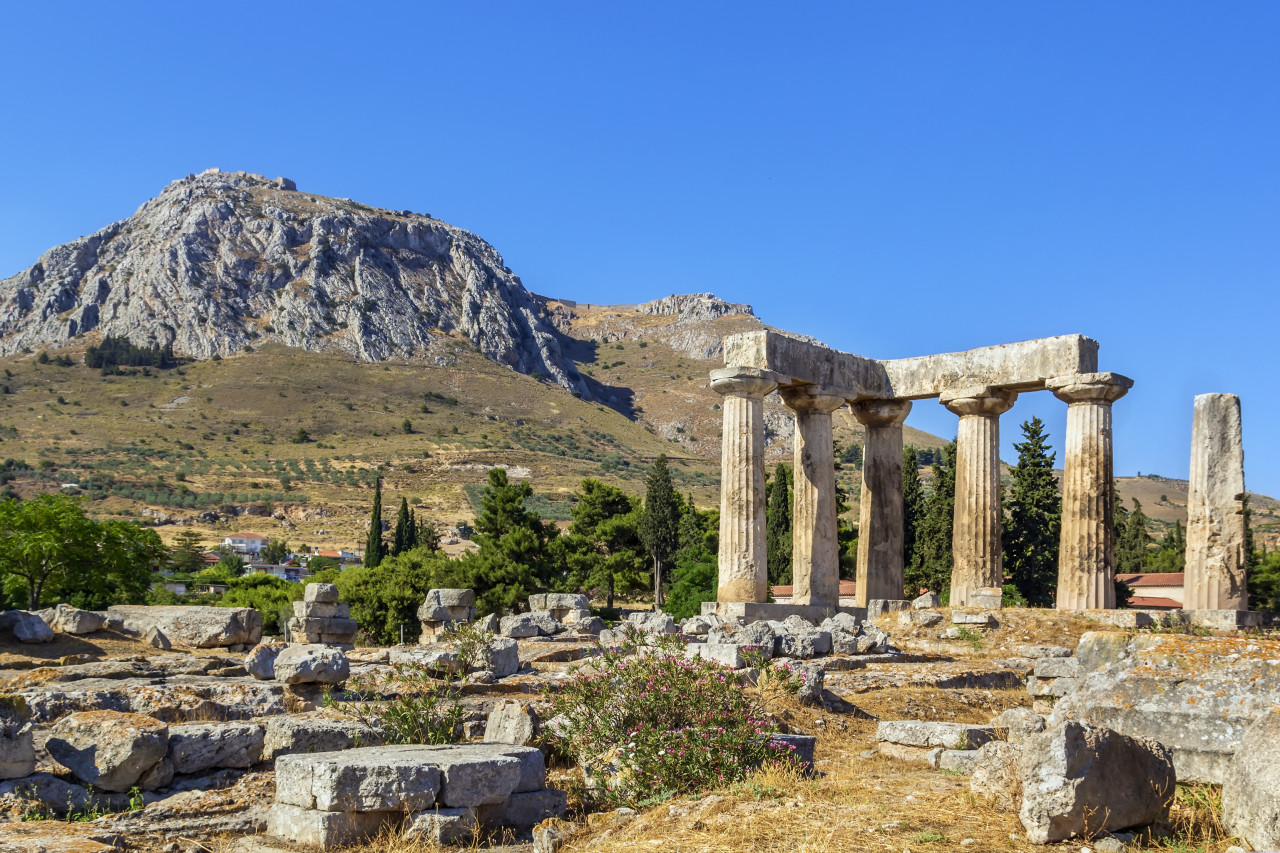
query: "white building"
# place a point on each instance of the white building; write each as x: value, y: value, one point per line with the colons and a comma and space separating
x: 245, y: 543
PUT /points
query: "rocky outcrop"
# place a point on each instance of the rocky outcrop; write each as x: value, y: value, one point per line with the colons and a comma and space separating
x: 193, y: 626
x: 222, y: 261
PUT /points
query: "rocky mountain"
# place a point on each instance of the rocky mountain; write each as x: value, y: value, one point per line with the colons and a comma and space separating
x: 220, y: 263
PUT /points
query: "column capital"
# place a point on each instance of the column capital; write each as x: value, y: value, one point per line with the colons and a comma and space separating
x: 743, y: 381
x: 979, y: 400
x: 1089, y: 387
x: 810, y: 399
x: 881, y: 413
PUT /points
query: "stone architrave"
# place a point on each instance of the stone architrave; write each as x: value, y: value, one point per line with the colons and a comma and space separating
x: 742, y: 559
x: 1086, y: 553
x: 1215, y: 572
x: 976, y: 545
x: 815, y: 560
x: 880, y: 530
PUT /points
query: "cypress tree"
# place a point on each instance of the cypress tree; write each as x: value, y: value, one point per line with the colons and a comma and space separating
x: 931, y: 564
x: 778, y: 525
x: 411, y: 537
x: 374, y: 550
x: 400, y: 539
x: 912, y: 502
x: 1251, y: 558
x: 1132, y: 546
x: 1033, y: 519
x: 660, y: 522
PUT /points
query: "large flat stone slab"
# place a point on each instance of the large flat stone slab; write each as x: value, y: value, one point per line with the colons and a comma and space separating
x: 195, y: 627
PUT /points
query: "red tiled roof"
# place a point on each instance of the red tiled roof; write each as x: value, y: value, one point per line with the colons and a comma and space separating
x: 1141, y: 601
x: 1151, y: 578
x: 847, y: 588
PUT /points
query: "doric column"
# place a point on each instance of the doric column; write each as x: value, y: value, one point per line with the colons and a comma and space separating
x: 1086, y: 550
x: 1216, y: 573
x: 815, y: 555
x: 880, y: 537
x: 743, y: 574
x: 975, y: 537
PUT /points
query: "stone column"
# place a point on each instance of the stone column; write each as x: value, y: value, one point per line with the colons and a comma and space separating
x: 975, y: 537
x: 1086, y: 550
x: 880, y: 535
x: 743, y: 573
x: 815, y: 555
x: 1215, y: 572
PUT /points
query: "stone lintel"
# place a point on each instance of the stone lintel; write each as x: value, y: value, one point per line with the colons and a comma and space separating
x: 752, y: 611
x: 1020, y: 366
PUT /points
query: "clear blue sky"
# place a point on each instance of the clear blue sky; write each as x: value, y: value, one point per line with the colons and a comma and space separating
x: 893, y: 178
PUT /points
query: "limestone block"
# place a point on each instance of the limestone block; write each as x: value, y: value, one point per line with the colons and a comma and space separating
x: 368, y: 779
x: 725, y: 654
x: 1037, y: 652
x: 844, y: 642
x: 442, y: 826
x: 502, y: 657
x: 191, y: 626
x: 930, y: 734
x: 321, y: 593
x: 930, y: 755
x: 17, y: 750
x: 996, y: 774
x: 326, y: 830
x: 1251, y: 789
x: 160, y: 775
x: 526, y: 809
x: 321, y: 610
x: 488, y: 624
x: 591, y: 625
x: 432, y: 659
x: 1018, y: 724
x: 108, y: 749
x: 799, y: 747
x: 311, y: 664
x: 1078, y: 778
x: 812, y: 679
x: 525, y: 625
x: 843, y: 621
x: 958, y: 760
x: 990, y: 598
x: 1223, y: 620
x: 1055, y: 687
x: 1057, y: 667
x: 698, y: 626
x: 919, y: 619
x: 512, y: 722
x: 809, y: 643
x: 757, y: 634
x: 452, y: 597
x: 1123, y: 618
x: 878, y: 607
x: 978, y: 620
x: 201, y: 746
x: 564, y: 601
x: 157, y: 639
x: 315, y: 732
x: 66, y: 619
x: 261, y: 660
x: 26, y: 627
x: 653, y: 622
x: 478, y: 778
x: 927, y: 601
x: 1216, y: 558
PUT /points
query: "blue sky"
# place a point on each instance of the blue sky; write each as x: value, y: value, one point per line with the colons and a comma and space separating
x: 893, y: 178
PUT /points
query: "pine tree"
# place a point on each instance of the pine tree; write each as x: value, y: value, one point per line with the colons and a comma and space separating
x: 778, y: 542
x: 931, y: 564
x: 1132, y: 548
x: 374, y: 549
x: 660, y: 523
x: 1033, y: 519
x: 912, y: 502
x: 1251, y: 558
x: 401, y: 538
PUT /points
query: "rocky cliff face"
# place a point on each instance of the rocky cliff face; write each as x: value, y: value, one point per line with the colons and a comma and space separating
x: 219, y: 262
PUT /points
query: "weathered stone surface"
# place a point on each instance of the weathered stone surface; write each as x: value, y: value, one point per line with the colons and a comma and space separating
x: 1078, y: 778
x: 311, y: 664
x: 927, y: 601
x: 930, y: 755
x: 929, y: 734
x: 919, y: 618
x: 757, y: 634
x: 107, y: 749
x: 51, y: 793
x: 990, y: 598
x: 653, y: 622
x: 26, y: 627
x: 512, y: 722
x: 799, y: 639
x: 743, y: 574
x: 502, y: 657
x: 320, y: 593
x: 325, y: 829
x: 261, y: 660
x: 527, y: 809
x: 1251, y: 789
x: 66, y: 619
x: 488, y: 624
x: 157, y: 639
x: 1215, y: 573
x: 368, y: 779
x: 1055, y: 687
x: 1195, y: 695
x: 433, y: 659
x: 158, y: 776
x: 1057, y: 667
x: 1018, y: 724
x: 1037, y: 652
x: 202, y: 746
x: 980, y: 619
x: 442, y: 826
x: 815, y: 554
x: 17, y: 749
x: 195, y: 627
x: 958, y: 760
x: 698, y: 626
x: 525, y: 625
x: 996, y: 774
x: 798, y: 747
x: 315, y: 732
x: 725, y: 654
x: 812, y: 679
x: 880, y: 562
x: 553, y: 601
x: 877, y: 607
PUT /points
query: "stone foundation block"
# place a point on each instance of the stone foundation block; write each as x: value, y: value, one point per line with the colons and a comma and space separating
x: 799, y: 747
x: 878, y: 607
x: 1055, y: 687
x: 442, y: 826
x: 314, y: 732
x: 202, y: 746
x: 359, y: 780
x: 326, y: 830
x: 958, y: 760
x: 1057, y: 667
x: 1223, y: 620
x: 929, y: 755
x: 988, y: 597
x: 525, y: 810
x: 972, y: 619
x: 927, y: 734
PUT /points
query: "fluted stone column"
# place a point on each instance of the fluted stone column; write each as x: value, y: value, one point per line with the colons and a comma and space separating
x: 815, y: 551
x: 1215, y: 576
x: 880, y: 534
x: 1086, y: 550
x: 743, y: 573
x: 975, y: 537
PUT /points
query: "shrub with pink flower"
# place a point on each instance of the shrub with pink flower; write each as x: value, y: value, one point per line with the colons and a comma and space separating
x: 657, y: 724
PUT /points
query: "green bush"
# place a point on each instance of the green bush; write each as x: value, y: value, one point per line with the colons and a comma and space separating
x: 658, y: 725
x: 421, y: 710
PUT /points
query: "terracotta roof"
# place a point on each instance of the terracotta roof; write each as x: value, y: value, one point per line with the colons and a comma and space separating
x: 1141, y: 601
x: 1151, y: 578
x: 328, y: 553
x: 847, y: 588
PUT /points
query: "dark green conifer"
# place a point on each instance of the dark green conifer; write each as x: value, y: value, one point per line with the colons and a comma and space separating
x: 660, y: 522
x: 374, y: 549
x: 778, y: 540
x: 1033, y: 519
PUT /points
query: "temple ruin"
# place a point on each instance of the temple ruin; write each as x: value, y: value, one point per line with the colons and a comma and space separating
x: 978, y: 385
